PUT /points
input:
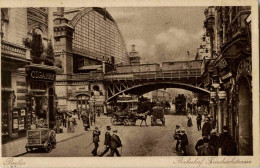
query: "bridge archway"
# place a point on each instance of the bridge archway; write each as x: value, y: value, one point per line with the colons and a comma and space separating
x: 141, y: 89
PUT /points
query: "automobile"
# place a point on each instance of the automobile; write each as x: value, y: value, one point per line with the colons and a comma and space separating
x: 41, y: 138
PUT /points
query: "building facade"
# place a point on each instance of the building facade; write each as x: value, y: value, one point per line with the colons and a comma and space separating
x: 28, y: 71
x: 229, y: 73
x: 89, y: 43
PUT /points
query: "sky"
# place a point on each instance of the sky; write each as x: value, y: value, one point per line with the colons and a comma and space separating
x: 161, y: 34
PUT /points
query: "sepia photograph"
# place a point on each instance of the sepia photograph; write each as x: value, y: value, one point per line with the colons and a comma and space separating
x: 105, y: 81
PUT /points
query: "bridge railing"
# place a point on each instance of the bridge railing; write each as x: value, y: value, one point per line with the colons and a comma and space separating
x: 149, y: 75
x: 170, y: 74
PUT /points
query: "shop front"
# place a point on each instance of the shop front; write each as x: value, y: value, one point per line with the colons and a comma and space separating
x: 41, y: 111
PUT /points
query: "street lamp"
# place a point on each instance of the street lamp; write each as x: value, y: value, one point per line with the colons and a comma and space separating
x: 219, y: 95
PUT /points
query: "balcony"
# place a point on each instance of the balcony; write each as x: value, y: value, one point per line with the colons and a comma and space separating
x: 14, y: 56
x: 15, y: 51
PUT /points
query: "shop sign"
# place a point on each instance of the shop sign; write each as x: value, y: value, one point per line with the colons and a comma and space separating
x: 222, y: 95
x: 15, y: 124
x: 226, y: 76
x: 81, y: 88
x: 212, y: 95
x: 40, y: 74
x: 21, y: 123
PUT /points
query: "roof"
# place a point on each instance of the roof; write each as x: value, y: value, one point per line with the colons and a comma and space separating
x: 90, y: 67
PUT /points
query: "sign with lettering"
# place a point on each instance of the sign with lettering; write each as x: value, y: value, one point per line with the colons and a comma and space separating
x: 40, y: 74
x: 81, y: 88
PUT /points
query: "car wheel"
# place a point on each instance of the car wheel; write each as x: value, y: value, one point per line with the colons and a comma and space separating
x: 49, y: 147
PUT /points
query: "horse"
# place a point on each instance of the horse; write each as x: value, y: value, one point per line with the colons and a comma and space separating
x: 143, y: 117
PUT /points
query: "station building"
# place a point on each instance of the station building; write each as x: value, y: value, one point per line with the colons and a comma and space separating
x: 89, y: 43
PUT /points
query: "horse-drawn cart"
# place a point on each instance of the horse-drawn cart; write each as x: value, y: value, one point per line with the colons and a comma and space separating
x: 122, y: 118
x: 157, y: 113
x: 43, y: 138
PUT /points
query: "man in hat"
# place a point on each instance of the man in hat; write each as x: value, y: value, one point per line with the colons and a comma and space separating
x: 213, y: 141
x: 107, y: 141
x: 226, y: 143
x: 96, y: 134
x: 177, y: 132
x: 115, y: 143
x: 199, y: 118
x: 206, y: 149
x: 184, y: 141
x: 206, y: 128
x: 200, y: 142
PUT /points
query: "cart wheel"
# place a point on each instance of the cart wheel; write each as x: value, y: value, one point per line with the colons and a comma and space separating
x: 49, y: 147
x: 28, y: 149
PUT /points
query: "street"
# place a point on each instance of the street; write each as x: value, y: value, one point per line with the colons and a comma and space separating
x: 136, y: 140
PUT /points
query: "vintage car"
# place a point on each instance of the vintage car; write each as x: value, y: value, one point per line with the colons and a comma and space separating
x: 43, y: 138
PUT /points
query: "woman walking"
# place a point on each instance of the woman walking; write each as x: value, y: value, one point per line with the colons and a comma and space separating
x: 71, y: 125
x: 189, y: 120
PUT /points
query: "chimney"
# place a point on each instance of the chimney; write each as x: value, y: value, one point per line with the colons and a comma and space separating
x: 60, y: 11
x: 133, y: 47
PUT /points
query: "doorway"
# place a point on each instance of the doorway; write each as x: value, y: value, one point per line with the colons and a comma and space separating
x: 245, y: 137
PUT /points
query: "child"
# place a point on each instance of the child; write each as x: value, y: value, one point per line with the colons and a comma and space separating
x: 176, y: 136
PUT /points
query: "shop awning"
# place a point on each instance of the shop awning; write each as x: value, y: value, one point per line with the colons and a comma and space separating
x: 90, y: 67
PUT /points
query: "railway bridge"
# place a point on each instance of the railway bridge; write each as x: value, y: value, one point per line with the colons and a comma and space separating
x: 139, y: 83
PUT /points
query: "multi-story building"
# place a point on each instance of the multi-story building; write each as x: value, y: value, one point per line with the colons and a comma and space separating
x: 229, y: 74
x: 89, y: 43
x: 27, y: 70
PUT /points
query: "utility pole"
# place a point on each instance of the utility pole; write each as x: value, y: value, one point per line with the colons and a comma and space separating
x: 188, y: 61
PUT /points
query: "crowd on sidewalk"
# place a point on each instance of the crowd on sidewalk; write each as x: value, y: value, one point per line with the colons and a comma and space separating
x: 211, y: 143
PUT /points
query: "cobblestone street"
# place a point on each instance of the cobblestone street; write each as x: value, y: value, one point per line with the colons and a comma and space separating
x: 137, y: 141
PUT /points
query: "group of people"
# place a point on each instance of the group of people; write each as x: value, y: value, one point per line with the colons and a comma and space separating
x: 210, y: 144
x: 182, y: 140
x: 112, y: 142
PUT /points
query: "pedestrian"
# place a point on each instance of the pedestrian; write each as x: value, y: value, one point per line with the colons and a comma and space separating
x: 189, y: 124
x: 107, y: 141
x: 70, y: 125
x: 206, y: 149
x: 98, y: 113
x: 200, y: 142
x: 75, y: 117
x: 85, y: 121
x: 91, y: 118
x: 96, y: 134
x: 176, y: 136
x: 79, y: 114
x: 199, y: 119
x: 213, y: 141
x: 184, y: 141
x: 206, y: 128
x: 115, y: 143
x: 64, y: 121
x: 227, y: 144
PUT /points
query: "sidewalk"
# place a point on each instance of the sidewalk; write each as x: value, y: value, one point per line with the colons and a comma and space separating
x: 17, y: 147
x: 193, y: 135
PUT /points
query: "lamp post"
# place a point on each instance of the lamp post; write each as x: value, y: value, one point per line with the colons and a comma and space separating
x: 218, y: 94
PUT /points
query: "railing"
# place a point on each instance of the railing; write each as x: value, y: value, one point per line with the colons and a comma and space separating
x: 151, y: 75
x: 171, y: 74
